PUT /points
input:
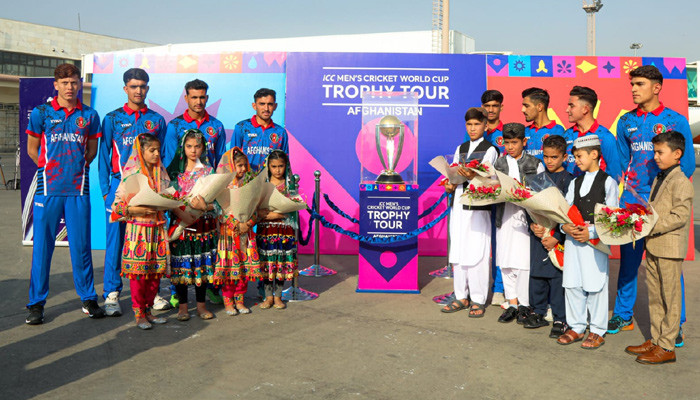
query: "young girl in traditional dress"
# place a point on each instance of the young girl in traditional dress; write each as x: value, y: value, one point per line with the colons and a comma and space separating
x: 238, y: 260
x: 276, y: 236
x: 145, y: 252
x: 194, y: 252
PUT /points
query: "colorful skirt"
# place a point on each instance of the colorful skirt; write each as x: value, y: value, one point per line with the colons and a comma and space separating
x: 193, y: 254
x: 277, y: 246
x: 237, y: 256
x: 145, y: 253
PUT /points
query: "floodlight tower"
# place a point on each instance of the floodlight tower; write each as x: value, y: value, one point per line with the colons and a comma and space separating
x: 591, y: 10
x: 635, y: 47
x: 441, y: 26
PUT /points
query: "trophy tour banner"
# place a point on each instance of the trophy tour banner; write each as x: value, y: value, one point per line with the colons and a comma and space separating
x: 233, y: 78
x: 324, y: 121
x: 33, y: 92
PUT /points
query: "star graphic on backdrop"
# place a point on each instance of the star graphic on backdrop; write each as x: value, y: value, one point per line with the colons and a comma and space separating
x: 608, y: 67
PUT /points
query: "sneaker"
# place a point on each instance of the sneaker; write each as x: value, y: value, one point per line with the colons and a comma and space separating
x: 214, y: 297
x: 549, y: 317
x: 523, y: 313
x: 535, y: 320
x: 174, y: 301
x: 92, y: 310
x: 617, y: 324
x: 498, y: 299
x: 558, y: 328
x: 112, y: 307
x: 36, y: 315
x: 680, y: 339
x: 160, y: 303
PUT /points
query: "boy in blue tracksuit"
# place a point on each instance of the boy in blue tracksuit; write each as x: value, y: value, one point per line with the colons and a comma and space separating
x: 258, y: 136
x: 120, y: 129
x: 195, y: 117
x: 535, y: 106
x: 635, y: 130
x: 582, y: 102
x: 62, y: 141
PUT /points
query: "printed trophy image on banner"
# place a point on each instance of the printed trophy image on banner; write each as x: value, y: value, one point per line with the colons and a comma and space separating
x: 388, y: 192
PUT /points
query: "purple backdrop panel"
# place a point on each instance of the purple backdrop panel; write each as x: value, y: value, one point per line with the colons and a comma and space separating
x: 389, y: 267
x: 32, y: 92
x: 324, y: 119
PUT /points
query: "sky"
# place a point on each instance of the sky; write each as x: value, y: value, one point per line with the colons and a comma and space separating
x: 547, y: 27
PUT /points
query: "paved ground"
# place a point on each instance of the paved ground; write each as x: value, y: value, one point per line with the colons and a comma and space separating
x: 343, y: 345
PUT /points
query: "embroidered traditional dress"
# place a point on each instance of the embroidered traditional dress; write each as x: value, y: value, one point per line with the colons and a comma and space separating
x: 145, y: 253
x: 277, y: 246
x: 237, y: 254
x: 193, y: 254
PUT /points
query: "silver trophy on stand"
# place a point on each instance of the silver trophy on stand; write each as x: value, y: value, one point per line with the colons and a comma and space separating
x: 390, y: 127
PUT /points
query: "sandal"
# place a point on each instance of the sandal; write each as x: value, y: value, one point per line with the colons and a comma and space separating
x: 141, y: 320
x: 230, y: 308
x: 593, y: 341
x: 183, y: 317
x: 569, y: 337
x: 476, y: 307
x: 265, y: 305
x: 455, y: 306
x: 240, y: 306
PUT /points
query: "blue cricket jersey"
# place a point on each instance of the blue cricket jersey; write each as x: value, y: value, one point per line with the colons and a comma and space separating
x: 120, y: 129
x: 212, y: 128
x: 258, y: 141
x: 610, y: 158
x: 495, y: 136
x: 63, y: 170
x: 635, y: 130
x: 536, y: 135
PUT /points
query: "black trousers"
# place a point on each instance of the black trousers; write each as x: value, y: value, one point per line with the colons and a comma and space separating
x: 199, y: 293
x: 545, y: 291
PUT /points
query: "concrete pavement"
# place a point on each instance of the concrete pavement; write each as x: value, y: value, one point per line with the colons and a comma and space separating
x: 344, y: 345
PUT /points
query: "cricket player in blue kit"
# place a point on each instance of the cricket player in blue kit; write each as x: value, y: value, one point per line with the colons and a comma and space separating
x: 120, y: 129
x: 195, y: 117
x: 582, y: 102
x: 258, y: 136
x: 535, y: 106
x: 635, y: 130
x: 62, y: 141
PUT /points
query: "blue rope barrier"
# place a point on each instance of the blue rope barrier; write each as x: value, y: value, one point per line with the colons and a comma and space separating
x: 370, y: 238
x: 433, y: 207
x: 303, y: 241
x: 338, y: 210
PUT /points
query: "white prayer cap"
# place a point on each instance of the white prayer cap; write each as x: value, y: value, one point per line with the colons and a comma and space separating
x: 586, y: 141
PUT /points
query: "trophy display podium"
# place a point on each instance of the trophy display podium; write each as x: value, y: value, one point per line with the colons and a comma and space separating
x: 388, y: 149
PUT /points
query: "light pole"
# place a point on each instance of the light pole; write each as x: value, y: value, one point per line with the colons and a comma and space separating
x: 591, y: 10
x: 635, y: 47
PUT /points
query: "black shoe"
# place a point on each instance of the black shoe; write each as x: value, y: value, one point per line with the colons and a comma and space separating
x: 36, y: 315
x: 535, y: 320
x: 91, y: 308
x: 508, y: 315
x: 523, y: 313
x: 558, y: 329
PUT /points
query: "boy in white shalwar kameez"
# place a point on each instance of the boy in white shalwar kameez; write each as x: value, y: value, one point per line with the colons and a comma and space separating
x: 585, y: 277
x: 470, y: 226
x: 512, y: 236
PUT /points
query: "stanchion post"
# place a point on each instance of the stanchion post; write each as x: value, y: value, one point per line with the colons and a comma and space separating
x: 317, y: 270
x: 295, y: 293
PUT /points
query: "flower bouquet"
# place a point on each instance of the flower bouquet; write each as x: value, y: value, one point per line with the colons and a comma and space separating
x: 483, y: 191
x: 241, y: 202
x: 616, y: 226
x: 518, y: 194
x: 282, y: 203
x: 137, y: 192
x: 481, y: 168
x: 449, y: 171
x: 208, y: 187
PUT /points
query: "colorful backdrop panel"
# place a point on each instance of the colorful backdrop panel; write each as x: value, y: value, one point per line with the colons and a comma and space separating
x: 232, y: 77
